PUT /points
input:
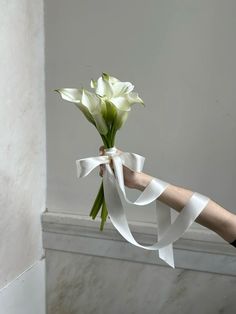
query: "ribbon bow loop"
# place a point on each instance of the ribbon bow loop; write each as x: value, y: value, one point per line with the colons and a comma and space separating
x: 132, y: 161
x: 86, y: 165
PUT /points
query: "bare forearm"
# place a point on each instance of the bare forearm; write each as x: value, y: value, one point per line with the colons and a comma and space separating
x: 214, y: 216
x: 174, y: 196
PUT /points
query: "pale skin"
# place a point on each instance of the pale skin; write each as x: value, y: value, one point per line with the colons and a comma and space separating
x: 213, y: 216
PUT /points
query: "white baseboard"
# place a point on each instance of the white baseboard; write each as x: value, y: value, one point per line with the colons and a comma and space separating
x: 25, y: 294
x: 198, y: 249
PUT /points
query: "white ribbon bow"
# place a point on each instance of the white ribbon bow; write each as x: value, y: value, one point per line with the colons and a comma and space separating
x: 114, y: 193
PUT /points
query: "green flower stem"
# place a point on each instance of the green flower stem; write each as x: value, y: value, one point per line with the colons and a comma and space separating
x: 99, y: 200
x: 104, y: 214
x: 108, y: 141
x: 97, y: 203
x: 113, y: 133
x: 105, y: 141
x: 113, y: 138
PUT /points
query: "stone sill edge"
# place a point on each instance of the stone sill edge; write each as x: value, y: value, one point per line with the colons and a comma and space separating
x: 78, y: 225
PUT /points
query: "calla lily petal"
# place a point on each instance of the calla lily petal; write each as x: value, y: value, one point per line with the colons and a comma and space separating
x: 121, y: 103
x: 134, y: 98
x: 100, y: 123
x: 121, y: 88
x: 121, y: 117
x: 103, y: 88
x: 103, y: 107
x: 113, y: 79
x: 91, y: 101
x: 93, y: 83
x: 70, y: 94
x: 86, y: 112
x: 110, y: 111
x: 73, y: 95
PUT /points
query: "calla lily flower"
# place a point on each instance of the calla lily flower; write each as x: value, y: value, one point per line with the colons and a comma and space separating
x: 89, y: 103
x: 118, y: 97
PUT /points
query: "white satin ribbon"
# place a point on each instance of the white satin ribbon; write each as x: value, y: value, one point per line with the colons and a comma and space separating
x: 114, y: 193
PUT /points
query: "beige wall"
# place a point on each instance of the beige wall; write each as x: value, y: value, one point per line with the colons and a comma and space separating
x: 180, y: 55
x: 22, y: 140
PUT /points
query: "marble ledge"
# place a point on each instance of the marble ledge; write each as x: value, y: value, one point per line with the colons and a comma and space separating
x: 198, y: 249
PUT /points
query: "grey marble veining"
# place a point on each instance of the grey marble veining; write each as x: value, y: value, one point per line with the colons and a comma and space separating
x: 83, y: 284
x: 193, y: 255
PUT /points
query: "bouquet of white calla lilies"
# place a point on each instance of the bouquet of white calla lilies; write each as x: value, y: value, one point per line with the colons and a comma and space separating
x: 107, y: 108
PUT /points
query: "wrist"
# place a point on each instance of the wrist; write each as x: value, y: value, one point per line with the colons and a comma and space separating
x: 142, y: 181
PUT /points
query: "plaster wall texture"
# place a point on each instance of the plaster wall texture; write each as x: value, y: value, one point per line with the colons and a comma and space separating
x: 22, y: 140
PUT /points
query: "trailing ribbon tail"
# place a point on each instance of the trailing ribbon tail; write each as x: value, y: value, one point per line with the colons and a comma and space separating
x: 163, y: 214
x: 114, y: 192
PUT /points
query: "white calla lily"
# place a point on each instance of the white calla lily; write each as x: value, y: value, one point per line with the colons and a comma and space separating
x: 88, y: 103
x: 74, y: 95
x: 94, y: 105
x: 70, y: 94
x: 118, y: 94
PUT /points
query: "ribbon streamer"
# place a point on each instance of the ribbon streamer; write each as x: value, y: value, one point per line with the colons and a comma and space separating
x: 115, y: 196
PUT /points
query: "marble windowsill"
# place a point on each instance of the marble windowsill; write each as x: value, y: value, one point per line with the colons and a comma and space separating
x: 198, y: 249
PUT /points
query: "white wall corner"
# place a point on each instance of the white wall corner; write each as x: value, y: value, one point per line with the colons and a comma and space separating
x: 25, y: 294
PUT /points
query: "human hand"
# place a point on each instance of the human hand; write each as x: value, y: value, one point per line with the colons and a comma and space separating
x: 132, y: 179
